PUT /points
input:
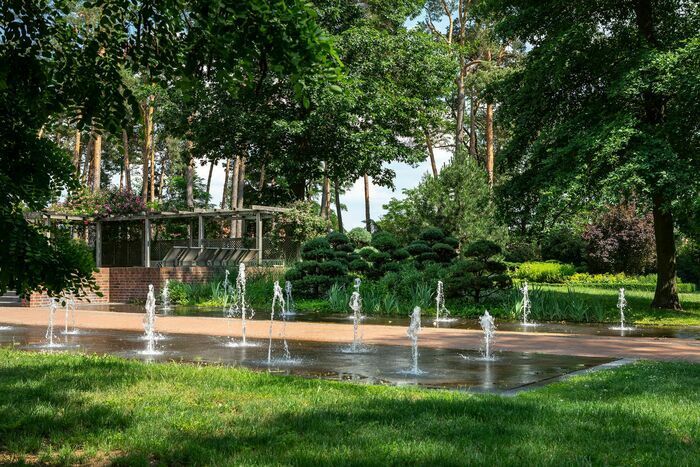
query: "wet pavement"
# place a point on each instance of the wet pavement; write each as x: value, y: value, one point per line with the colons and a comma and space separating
x: 688, y: 332
x: 378, y: 364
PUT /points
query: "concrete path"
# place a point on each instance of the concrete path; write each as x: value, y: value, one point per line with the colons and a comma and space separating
x: 558, y: 344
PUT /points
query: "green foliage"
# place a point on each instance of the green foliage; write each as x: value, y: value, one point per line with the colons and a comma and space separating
x: 480, y: 275
x: 564, y: 245
x: 338, y: 298
x: 360, y: 237
x: 604, y: 106
x: 433, y: 245
x: 458, y: 199
x: 689, y: 262
x: 548, y: 272
x: 520, y: 252
x: 629, y: 282
x: 325, y: 263
x: 301, y: 223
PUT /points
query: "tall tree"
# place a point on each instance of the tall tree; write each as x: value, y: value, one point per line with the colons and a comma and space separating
x: 607, y: 100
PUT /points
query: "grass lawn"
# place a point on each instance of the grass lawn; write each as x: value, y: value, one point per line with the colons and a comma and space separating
x: 71, y: 408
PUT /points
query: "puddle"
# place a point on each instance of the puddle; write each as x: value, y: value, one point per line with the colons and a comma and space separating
x: 439, y: 368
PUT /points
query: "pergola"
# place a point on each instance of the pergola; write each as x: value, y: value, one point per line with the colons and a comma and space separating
x: 254, y: 213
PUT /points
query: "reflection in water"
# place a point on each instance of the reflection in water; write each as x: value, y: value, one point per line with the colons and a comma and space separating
x: 688, y: 332
x: 442, y: 368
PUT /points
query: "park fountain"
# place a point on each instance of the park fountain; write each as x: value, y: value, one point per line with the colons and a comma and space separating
x: 238, y: 307
x: 70, y: 327
x: 356, y: 307
x: 413, y: 331
x: 49, y: 330
x: 165, y: 297
x: 278, y: 303
x: 442, y: 314
x: 526, y: 305
x: 149, y: 324
x: 489, y: 327
x: 226, y: 287
x: 289, y: 309
x: 622, y: 306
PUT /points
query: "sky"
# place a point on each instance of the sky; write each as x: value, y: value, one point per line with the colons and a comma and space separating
x: 354, y: 199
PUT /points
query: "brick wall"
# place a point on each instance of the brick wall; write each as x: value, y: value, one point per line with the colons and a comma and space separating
x: 123, y: 285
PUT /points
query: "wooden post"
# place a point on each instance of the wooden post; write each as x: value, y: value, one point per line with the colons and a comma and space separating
x: 147, y: 242
x: 259, y: 236
x: 200, y: 232
x: 98, y: 244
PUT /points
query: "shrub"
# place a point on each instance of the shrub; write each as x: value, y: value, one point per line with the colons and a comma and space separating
x: 325, y: 262
x: 480, y: 274
x: 360, y: 237
x: 300, y: 223
x: 548, y: 272
x: 563, y: 245
x: 433, y: 246
x: 689, y: 262
x: 520, y: 252
x: 384, y: 241
x: 621, y: 241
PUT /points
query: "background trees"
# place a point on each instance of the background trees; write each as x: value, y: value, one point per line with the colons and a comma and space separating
x: 601, y: 106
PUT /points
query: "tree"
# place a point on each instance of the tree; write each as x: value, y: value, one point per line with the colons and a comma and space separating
x: 458, y: 200
x: 66, y: 72
x: 606, y: 102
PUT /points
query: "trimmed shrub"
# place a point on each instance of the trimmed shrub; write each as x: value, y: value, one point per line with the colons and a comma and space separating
x: 480, y: 274
x: 548, y: 272
x: 433, y: 246
x: 360, y: 237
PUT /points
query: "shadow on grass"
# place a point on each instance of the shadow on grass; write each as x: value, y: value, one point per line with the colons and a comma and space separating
x: 645, y: 413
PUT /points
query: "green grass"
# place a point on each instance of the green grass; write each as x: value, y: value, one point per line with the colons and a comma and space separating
x: 551, y: 302
x: 71, y: 408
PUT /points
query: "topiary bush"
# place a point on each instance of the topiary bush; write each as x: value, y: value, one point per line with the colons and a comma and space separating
x: 325, y: 261
x: 433, y: 245
x: 360, y: 237
x: 551, y: 272
x: 480, y: 274
x: 385, y: 255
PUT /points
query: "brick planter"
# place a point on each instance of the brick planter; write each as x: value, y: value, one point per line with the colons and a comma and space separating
x: 127, y: 284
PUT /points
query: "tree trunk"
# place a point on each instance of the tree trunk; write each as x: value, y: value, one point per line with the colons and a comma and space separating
x: 87, y: 163
x: 489, y: 136
x: 126, y: 164
x: 459, y: 110
x: 666, y: 295
x: 326, y: 192
x: 490, y: 157
x: 261, y: 182
x: 97, y: 163
x: 234, y: 195
x: 473, y: 151
x: 368, y: 219
x: 189, y: 175
x: 76, y: 153
x: 241, y: 192
x: 147, y: 110
x: 431, y: 152
x: 338, y: 207
x: 161, y: 179
x: 211, y: 171
x: 223, y: 194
